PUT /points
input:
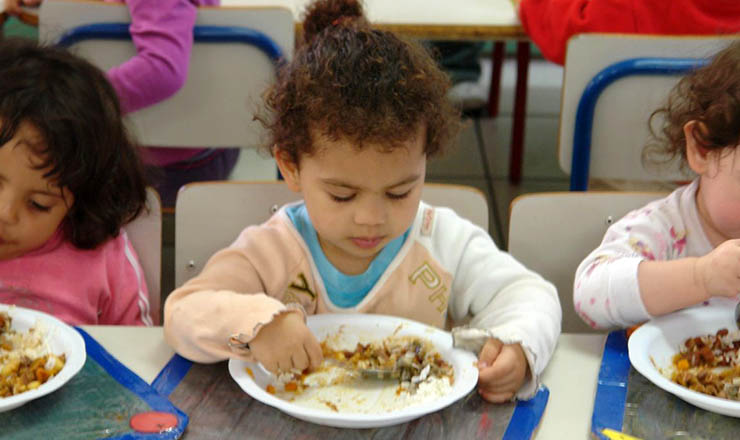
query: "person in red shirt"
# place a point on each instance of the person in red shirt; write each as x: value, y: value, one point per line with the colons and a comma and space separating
x: 550, y: 23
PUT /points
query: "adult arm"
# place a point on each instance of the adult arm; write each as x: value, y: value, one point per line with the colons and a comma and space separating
x: 162, y: 32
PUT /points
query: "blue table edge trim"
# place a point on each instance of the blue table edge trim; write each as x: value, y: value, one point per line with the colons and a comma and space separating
x: 524, y: 421
x: 527, y: 416
x: 611, y: 389
x: 171, y: 374
x: 135, y: 384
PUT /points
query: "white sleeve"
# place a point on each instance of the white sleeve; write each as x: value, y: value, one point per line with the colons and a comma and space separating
x: 501, y: 297
x: 606, y: 291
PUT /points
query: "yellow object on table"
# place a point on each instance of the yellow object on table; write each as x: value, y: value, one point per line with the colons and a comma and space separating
x: 616, y: 435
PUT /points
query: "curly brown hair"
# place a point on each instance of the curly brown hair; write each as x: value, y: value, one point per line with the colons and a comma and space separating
x: 709, y: 95
x: 354, y: 82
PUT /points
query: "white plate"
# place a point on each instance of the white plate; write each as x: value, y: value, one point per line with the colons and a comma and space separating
x: 653, y: 345
x: 62, y: 339
x: 364, y: 328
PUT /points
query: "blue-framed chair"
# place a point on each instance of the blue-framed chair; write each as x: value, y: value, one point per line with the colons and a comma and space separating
x: 612, y: 84
x: 233, y: 60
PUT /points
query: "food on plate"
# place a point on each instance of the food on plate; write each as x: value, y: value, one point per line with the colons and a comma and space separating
x: 377, y: 376
x: 409, y: 359
x: 26, y: 361
x: 709, y: 364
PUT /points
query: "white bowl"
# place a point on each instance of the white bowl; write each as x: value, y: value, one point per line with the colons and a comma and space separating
x: 653, y: 345
x: 363, y: 327
x: 63, y: 339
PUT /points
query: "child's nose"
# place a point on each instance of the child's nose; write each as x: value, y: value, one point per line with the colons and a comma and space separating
x: 8, y: 210
x: 371, y: 213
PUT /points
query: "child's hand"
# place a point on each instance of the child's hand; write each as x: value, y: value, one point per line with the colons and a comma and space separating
x: 502, y: 370
x: 286, y: 343
x: 718, y: 272
x: 13, y: 7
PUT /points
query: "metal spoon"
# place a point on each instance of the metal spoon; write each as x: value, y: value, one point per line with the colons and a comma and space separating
x: 380, y: 373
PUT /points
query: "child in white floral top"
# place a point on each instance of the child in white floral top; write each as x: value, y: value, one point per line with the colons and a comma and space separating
x: 684, y: 249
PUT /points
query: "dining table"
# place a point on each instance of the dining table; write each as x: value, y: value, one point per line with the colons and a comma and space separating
x: 571, y: 375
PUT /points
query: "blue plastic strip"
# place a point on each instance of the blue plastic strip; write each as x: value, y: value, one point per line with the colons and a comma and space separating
x: 171, y: 375
x: 585, y: 113
x: 611, y: 391
x: 527, y: 416
x: 204, y: 34
x: 136, y: 385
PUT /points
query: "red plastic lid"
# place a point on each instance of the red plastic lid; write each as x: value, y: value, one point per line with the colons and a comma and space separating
x: 153, y: 421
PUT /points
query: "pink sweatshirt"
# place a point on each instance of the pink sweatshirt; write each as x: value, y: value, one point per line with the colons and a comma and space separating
x: 101, y: 286
x: 162, y: 32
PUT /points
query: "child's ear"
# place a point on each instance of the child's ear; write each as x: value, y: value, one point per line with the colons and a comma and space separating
x: 697, y: 156
x: 288, y: 169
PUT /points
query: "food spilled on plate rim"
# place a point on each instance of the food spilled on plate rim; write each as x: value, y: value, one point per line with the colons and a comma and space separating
x: 375, y: 376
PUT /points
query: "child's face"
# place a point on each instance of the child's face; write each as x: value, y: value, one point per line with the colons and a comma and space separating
x: 31, y: 206
x: 359, y: 200
x: 719, y: 196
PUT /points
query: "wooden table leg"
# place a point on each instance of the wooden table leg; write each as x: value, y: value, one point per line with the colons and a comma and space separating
x: 497, y: 61
x: 520, y: 112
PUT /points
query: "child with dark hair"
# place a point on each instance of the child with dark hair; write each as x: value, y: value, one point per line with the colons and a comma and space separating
x: 355, y: 116
x: 70, y: 178
x: 684, y: 249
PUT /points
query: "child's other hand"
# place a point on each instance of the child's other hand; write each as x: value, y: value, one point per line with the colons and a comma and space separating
x: 286, y: 343
x: 718, y: 272
x: 502, y: 370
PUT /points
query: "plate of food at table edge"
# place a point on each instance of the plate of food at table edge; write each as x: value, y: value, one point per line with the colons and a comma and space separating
x: 377, y: 371
x: 693, y: 354
x: 38, y: 354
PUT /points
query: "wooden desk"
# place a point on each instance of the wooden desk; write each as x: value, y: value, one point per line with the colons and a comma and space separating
x: 571, y: 375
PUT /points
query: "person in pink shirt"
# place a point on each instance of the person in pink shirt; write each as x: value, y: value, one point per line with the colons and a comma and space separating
x: 70, y: 178
x: 162, y: 32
